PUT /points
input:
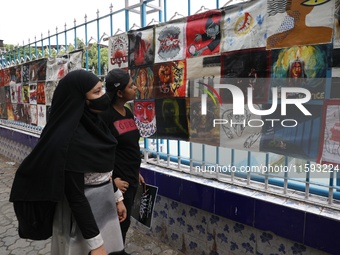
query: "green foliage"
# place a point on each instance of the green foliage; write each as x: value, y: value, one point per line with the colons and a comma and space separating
x: 92, y: 52
x: 14, y: 52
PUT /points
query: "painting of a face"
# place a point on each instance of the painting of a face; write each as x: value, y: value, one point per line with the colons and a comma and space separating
x: 144, y: 111
x: 145, y: 117
x: 296, y: 70
x: 142, y: 76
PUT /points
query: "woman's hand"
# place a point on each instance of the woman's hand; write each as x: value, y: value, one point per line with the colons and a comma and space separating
x: 122, y: 185
x: 121, y: 211
x: 99, y: 251
x: 141, y: 180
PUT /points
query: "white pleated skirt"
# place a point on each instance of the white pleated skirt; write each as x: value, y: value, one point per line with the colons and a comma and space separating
x: 67, y: 238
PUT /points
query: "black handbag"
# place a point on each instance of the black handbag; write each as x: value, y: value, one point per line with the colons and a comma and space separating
x: 35, y: 219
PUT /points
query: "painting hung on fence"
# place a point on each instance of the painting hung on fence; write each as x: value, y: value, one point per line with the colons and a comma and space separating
x: 299, y: 22
x: 330, y: 135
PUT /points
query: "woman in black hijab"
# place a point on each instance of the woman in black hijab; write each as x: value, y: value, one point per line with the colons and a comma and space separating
x: 67, y: 170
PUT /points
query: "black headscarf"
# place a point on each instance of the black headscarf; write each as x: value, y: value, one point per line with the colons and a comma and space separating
x: 74, y: 139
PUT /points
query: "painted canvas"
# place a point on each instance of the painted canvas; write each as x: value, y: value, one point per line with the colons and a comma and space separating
x: 170, y: 79
x: 118, y: 51
x: 299, y: 22
x: 41, y: 99
x: 170, y: 41
x: 244, y: 26
x: 203, y: 34
x: 294, y: 134
x: 302, y: 66
x: 204, y: 66
x: 202, y: 128
x: 144, y: 112
x: 143, y: 78
x: 240, y: 131
x: 330, y: 138
x: 141, y: 47
x: 247, y: 70
x: 171, y: 118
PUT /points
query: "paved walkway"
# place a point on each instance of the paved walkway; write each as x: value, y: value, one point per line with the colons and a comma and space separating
x: 10, y: 244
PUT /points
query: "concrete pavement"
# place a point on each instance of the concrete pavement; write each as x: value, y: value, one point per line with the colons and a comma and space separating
x: 10, y: 244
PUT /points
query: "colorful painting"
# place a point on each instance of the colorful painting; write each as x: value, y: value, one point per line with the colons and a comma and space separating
x: 144, y: 112
x: 41, y: 92
x: 170, y: 41
x: 118, y: 51
x: 25, y: 93
x: 302, y: 66
x: 330, y: 135
x: 33, y: 93
x: 10, y: 114
x: 7, y: 77
x: 203, y: 33
x: 244, y: 26
x: 143, y: 78
x: 170, y: 79
x: 299, y: 22
x: 141, y: 47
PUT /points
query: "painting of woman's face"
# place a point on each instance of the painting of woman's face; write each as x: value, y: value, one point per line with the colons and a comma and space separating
x: 142, y: 77
x: 144, y: 111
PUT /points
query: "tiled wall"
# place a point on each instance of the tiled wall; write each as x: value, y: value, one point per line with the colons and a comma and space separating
x: 15, y: 145
x: 200, y: 217
x: 194, y: 231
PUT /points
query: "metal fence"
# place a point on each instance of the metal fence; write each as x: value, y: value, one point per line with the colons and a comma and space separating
x: 277, y: 174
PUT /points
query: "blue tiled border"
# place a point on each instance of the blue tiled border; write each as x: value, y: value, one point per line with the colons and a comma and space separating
x: 300, y: 226
x: 18, y: 137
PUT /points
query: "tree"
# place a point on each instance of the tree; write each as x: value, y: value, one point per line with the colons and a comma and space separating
x: 14, y: 53
x: 93, y: 57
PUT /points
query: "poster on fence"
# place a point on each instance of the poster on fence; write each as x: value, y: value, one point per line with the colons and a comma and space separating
x: 144, y: 203
x: 330, y: 135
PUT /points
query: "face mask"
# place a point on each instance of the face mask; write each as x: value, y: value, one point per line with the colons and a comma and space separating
x: 100, y: 104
